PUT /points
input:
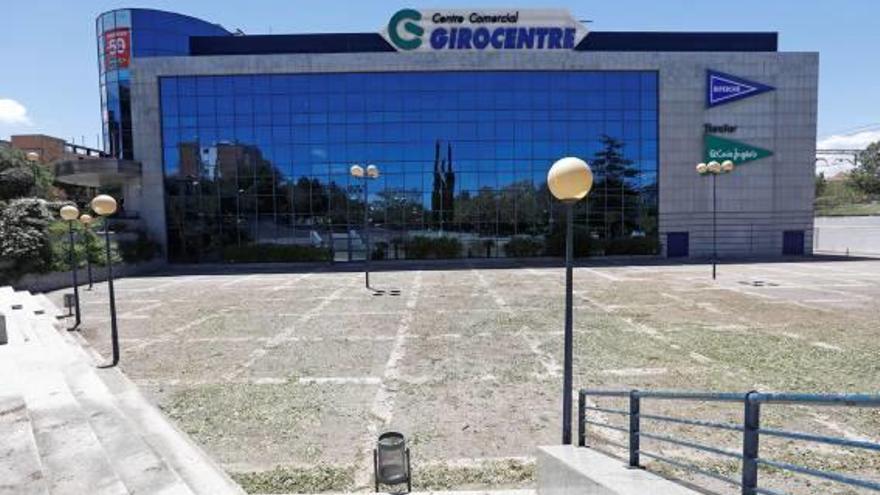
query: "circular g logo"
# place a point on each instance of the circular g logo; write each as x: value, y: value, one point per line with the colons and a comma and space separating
x: 406, y: 19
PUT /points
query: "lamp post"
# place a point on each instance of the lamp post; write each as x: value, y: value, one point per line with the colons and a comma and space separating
x: 570, y: 180
x: 69, y: 214
x: 371, y: 172
x: 86, y: 220
x: 105, y: 206
x: 714, y: 169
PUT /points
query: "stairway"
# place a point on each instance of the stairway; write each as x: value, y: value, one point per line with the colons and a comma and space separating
x: 69, y: 428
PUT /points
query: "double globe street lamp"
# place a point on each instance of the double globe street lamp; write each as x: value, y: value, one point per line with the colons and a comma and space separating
x: 714, y: 169
x: 69, y: 213
x: 570, y: 180
x: 370, y: 173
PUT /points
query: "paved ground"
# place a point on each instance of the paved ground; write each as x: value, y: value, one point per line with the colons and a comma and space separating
x: 286, y: 378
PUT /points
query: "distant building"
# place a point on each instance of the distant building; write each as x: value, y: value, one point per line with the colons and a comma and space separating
x: 52, y: 149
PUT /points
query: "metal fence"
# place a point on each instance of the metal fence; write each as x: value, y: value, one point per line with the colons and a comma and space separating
x: 750, y: 428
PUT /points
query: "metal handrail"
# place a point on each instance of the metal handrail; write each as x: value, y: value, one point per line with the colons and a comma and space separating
x: 750, y: 429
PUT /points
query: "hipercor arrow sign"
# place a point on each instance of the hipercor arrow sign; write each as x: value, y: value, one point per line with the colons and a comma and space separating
x: 724, y: 88
x: 718, y: 149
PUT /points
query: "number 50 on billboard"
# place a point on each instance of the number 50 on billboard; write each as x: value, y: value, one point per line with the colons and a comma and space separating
x: 117, y: 48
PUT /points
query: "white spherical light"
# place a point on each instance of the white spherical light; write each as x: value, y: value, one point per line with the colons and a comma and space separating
x: 702, y: 168
x: 69, y: 212
x: 570, y: 179
x: 104, y: 205
x: 727, y: 166
x: 85, y: 219
x: 33, y: 156
x: 714, y: 167
x: 357, y: 171
x: 372, y: 171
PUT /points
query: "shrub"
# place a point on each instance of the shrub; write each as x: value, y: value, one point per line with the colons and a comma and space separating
x: 274, y: 253
x: 584, y: 245
x: 24, y: 239
x: 422, y: 247
x: 524, y: 247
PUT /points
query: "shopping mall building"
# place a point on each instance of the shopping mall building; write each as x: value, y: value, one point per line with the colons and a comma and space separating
x: 219, y: 139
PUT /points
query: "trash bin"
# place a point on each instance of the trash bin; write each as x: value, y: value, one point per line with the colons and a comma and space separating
x: 391, y: 461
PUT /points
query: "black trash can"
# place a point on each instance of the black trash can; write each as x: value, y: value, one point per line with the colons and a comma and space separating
x: 391, y: 461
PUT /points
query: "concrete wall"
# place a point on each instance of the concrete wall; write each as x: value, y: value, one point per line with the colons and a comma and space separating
x: 847, y: 235
x: 569, y: 470
x: 755, y: 204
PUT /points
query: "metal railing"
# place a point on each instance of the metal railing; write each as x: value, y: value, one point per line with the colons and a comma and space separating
x: 750, y: 428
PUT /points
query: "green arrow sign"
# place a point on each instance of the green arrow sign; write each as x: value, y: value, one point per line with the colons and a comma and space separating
x: 719, y: 149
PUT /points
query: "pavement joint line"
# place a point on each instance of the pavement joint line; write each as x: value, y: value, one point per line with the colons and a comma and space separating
x: 169, y: 335
x: 382, y: 407
x: 280, y: 338
x: 599, y: 273
x: 826, y: 346
x: 489, y: 289
x: 237, y: 280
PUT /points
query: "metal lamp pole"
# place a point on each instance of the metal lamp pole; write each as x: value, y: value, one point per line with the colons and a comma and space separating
x: 714, y: 169
x: 570, y: 180
x: 86, y: 220
x: 69, y: 214
x: 371, y: 172
x: 105, y: 206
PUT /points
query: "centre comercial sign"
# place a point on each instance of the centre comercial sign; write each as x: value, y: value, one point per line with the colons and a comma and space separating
x: 483, y: 30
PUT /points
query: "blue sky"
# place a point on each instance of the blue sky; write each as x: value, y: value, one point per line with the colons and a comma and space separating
x: 49, y: 77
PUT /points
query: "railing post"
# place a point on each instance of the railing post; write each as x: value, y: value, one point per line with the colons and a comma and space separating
x: 751, y: 424
x: 634, y: 427
x: 582, y: 418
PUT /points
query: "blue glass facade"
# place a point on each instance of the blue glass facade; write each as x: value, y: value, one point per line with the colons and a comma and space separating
x: 264, y: 159
x: 127, y: 34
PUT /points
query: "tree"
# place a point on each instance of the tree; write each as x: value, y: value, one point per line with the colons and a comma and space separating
x: 20, y: 178
x: 821, y: 184
x: 866, y: 176
x: 24, y: 241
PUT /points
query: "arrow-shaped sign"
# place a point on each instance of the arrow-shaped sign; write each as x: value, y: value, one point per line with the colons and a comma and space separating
x: 718, y: 149
x: 724, y: 88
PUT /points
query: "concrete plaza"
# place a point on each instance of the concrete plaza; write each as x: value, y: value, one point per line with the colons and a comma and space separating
x: 286, y: 377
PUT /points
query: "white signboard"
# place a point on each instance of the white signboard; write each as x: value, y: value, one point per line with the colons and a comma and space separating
x: 434, y: 30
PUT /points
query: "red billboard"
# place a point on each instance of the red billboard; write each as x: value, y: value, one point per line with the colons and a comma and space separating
x: 117, y: 48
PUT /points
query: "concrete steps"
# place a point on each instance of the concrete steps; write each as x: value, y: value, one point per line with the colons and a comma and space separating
x: 74, y: 429
x: 21, y: 470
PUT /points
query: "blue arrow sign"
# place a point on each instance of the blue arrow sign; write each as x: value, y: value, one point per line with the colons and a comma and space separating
x: 723, y: 88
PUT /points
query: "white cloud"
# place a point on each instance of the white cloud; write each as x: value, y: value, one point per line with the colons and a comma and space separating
x: 13, y: 112
x: 856, y: 141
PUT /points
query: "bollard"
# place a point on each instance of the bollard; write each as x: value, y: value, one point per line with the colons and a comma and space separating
x: 751, y: 425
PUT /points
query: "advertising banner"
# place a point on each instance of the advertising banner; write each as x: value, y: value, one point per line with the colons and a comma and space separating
x: 718, y: 149
x: 724, y: 88
x: 489, y: 29
x: 117, y: 48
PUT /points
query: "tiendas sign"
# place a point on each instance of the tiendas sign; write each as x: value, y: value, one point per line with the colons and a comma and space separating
x: 484, y: 29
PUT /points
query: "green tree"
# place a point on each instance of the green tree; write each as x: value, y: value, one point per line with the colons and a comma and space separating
x: 821, y: 184
x: 20, y: 178
x: 866, y: 176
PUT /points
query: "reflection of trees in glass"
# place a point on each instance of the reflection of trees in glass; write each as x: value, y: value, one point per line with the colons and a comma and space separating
x: 613, y: 188
x: 443, y: 193
x: 399, y: 207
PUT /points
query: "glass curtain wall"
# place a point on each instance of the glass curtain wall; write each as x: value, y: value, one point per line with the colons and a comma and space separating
x: 264, y: 160
x: 126, y: 34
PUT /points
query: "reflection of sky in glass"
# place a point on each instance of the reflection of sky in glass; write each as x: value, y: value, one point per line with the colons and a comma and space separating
x: 498, y: 131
